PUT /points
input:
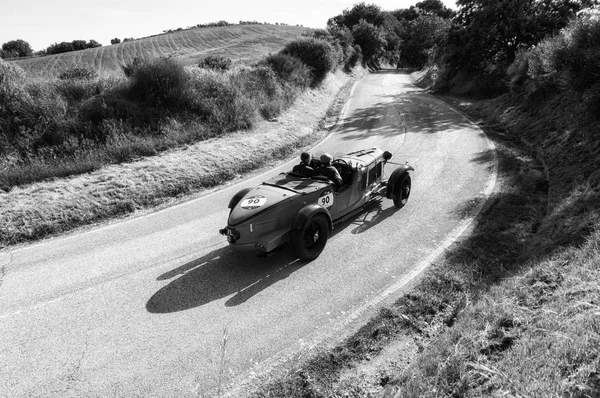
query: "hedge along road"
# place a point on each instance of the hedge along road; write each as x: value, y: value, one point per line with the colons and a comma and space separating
x: 160, y: 306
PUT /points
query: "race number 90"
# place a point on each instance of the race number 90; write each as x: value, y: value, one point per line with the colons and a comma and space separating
x: 326, y: 199
x: 253, y: 202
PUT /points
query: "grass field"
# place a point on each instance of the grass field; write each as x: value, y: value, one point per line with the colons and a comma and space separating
x: 240, y: 43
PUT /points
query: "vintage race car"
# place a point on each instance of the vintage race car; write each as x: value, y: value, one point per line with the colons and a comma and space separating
x: 298, y: 211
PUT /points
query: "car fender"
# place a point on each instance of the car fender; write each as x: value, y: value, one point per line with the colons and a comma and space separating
x: 237, y: 197
x: 309, y: 211
x: 399, y: 172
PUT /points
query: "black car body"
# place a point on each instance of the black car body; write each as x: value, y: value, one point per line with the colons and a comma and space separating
x: 300, y: 211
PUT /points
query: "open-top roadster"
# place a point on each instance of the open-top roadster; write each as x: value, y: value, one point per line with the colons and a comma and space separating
x: 301, y: 211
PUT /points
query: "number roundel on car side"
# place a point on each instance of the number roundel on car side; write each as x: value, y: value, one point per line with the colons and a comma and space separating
x: 253, y: 202
x: 326, y: 199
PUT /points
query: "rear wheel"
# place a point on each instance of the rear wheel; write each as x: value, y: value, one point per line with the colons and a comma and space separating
x: 310, y: 241
x: 402, y: 191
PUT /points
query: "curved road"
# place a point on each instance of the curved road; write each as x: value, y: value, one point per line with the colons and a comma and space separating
x: 142, y: 307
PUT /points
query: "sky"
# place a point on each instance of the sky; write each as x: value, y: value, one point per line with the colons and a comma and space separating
x: 42, y: 22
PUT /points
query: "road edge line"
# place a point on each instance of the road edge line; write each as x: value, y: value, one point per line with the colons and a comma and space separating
x: 316, y: 339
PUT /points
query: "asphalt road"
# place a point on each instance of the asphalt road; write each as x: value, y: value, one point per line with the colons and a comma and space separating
x: 142, y: 307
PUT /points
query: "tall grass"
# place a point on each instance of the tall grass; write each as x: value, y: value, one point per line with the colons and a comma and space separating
x: 80, y: 122
x: 55, y: 128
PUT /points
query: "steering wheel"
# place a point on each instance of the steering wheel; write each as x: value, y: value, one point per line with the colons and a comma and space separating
x: 343, y: 168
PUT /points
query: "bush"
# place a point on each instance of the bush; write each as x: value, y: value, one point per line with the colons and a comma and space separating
x: 569, y: 59
x: 130, y: 68
x: 215, y: 62
x: 58, y: 48
x: 290, y: 69
x: 354, y: 58
x: 17, y: 48
x: 78, y: 73
x: 32, y: 115
x: 220, y: 103
x: 161, y: 82
x: 263, y: 87
x: 318, y: 54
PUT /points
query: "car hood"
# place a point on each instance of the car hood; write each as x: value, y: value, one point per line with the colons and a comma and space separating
x: 271, y: 193
x: 257, y: 201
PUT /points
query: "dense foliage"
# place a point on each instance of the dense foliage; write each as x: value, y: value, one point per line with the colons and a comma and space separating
x: 78, y: 72
x: 75, y: 45
x: 215, y: 62
x: 568, y: 60
x: 318, y: 54
x: 16, y: 48
x: 486, y: 35
x: 408, y: 37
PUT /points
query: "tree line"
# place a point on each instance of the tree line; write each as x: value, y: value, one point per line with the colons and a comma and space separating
x: 20, y: 48
x: 482, y: 37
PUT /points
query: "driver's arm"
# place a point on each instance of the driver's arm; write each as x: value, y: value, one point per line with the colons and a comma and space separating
x: 337, y: 178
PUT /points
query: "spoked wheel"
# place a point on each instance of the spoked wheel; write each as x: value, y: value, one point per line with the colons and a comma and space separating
x: 402, y: 191
x: 310, y: 241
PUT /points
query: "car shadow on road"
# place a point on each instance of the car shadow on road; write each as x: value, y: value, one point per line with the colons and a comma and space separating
x: 371, y: 216
x: 224, y: 272
x: 219, y: 274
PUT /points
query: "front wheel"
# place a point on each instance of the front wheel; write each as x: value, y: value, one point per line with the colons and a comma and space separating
x: 402, y: 191
x: 310, y: 240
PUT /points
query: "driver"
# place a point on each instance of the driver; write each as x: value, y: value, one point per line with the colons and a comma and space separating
x: 328, y: 170
x: 303, y: 168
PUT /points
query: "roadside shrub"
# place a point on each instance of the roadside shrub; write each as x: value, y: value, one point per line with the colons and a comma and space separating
x: 219, y: 102
x: 215, y: 62
x: 75, y: 91
x: 264, y: 88
x: 354, y: 55
x: 290, y: 69
x: 17, y: 48
x: 97, y: 109
x: 161, y: 82
x: 78, y: 73
x: 569, y: 59
x: 130, y: 68
x: 318, y: 54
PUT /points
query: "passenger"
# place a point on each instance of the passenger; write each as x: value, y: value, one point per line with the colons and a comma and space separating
x: 303, y: 168
x: 328, y: 170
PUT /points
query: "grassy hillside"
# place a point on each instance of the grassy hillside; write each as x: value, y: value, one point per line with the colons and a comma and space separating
x: 244, y: 43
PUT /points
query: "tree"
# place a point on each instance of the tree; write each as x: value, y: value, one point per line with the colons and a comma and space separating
x: 17, y: 48
x: 370, y: 38
x: 489, y: 32
x: 424, y: 36
x: 435, y: 7
x: 58, y: 48
x: 78, y: 45
x: 318, y: 54
x: 426, y: 7
x: 423, y: 30
x: 116, y: 40
x: 92, y: 44
x: 370, y: 13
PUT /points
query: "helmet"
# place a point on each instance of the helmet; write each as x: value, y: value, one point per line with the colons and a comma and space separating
x: 326, y: 159
x: 305, y: 156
